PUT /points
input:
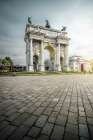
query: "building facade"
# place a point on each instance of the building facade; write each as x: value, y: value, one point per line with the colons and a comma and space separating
x: 78, y: 63
x: 38, y: 38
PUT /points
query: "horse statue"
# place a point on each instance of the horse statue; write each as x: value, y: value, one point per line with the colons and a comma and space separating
x: 29, y: 20
x: 47, y: 23
x: 64, y: 29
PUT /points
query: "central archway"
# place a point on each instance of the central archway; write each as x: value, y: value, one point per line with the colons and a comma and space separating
x: 51, y: 57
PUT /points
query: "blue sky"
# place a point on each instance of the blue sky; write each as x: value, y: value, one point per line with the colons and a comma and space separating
x: 76, y: 15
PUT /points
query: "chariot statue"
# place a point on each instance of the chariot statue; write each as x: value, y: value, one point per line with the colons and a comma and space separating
x: 64, y: 28
x: 47, y: 23
x: 29, y: 20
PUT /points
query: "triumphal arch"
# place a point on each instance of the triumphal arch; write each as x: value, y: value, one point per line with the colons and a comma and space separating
x: 37, y: 39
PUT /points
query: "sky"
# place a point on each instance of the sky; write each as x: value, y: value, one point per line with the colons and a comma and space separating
x: 76, y: 15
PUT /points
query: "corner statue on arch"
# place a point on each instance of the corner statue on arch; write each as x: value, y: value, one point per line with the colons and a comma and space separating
x: 38, y: 38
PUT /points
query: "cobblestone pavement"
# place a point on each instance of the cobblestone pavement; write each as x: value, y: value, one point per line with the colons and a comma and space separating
x: 55, y: 107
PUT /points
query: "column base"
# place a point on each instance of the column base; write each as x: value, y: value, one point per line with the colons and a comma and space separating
x: 30, y: 68
x: 58, y: 68
x: 41, y: 68
x: 66, y: 68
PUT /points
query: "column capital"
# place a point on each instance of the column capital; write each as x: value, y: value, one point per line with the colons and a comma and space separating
x: 30, y: 39
x: 67, y: 45
x: 42, y: 40
x: 58, y: 43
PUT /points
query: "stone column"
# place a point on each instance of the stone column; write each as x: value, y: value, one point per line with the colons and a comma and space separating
x: 30, y: 56
x: 66, y: 68
x: 26, y: 56
x: 78, y: 67
x: 85, y: 67
x: 42, y: 57
x: 55, y: 63
x: 58, y: 58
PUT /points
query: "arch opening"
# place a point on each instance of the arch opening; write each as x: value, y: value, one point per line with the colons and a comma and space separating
x: 49, y: 63
x: 35, y: 63
x: 61, y: 63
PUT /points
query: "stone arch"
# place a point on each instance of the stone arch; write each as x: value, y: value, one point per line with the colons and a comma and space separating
x: 38, y: 38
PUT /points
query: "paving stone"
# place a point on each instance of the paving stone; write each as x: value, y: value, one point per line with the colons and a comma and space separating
x: 31, y: 109
x: 9, y: 108
x: 64, y: 112
x: 42, y: 137
x: 73, y: 118
x: 41, y: 121
x: 39, y: 111
x: 91, y: 131
x: 2, y: 112
x: 89, y: 113
x: 6, y: 132
x: 30, y: 120
x: 3, y: 124
x: 34, y: 132
x: 22, y: 109
x: 83, y: 138
x: 61, y: 120
x: 82, y: 120
x: 81, y: 108
x: 69, y: 136
x: 54, y: 114
x: 71, y: 128
x: 82, y: 114
x: 73, y: 109
x: 65, y: 108
x: 28, y: 138
x: 2, y: 118
x: 45, y: 104
x: 37, y: 104
x: 57, y: 108
x: 83, y: 131
x: 90, y: 121
x: 47, y: 129
x: 57, y: 133
x: 48, y: 111
x: 5, y: 106
x: 52, y: 104
x: 56, y: 99
x: 51, y: 119
x: 29, y: 104
x: 10, y: 112
x: 12, y: 117
x: 20, y: 119
x: 19, y: 133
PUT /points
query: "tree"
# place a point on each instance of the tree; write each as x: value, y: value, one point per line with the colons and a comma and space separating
x: 47, y: 62
x: 5, y: 62
x: 9, y: 60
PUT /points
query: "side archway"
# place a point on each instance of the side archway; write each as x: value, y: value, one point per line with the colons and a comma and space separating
x: 35, y: 62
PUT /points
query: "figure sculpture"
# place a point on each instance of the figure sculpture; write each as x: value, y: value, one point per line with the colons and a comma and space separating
x: 29, y: 20
x: 64, y: 28
x: 47, y: 23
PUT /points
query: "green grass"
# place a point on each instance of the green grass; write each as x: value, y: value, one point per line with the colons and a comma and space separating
x: 43, y: 73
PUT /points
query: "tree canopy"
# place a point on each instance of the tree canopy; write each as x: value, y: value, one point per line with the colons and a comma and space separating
x: 5, y: 62
x: 9, y: 60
